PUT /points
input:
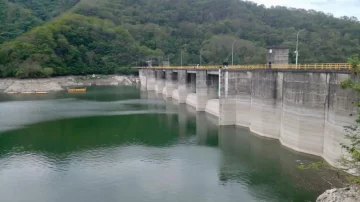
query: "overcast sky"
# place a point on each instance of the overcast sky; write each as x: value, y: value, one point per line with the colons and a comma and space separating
x: 336, y: 7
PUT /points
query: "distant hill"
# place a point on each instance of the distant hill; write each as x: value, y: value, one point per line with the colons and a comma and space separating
x: 103, y: 35
x: 19, y: 16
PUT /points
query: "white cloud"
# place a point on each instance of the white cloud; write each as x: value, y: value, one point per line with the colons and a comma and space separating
x: 337, y: 7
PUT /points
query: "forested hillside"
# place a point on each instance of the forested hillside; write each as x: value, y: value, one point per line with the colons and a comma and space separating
x: 103, y: 35
x: 19, y: 16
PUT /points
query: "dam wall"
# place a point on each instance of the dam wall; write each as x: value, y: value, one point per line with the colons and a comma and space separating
x: 340, y: 112
x: 266, y: 103
x: 305, y: 110
x: 160, y: 81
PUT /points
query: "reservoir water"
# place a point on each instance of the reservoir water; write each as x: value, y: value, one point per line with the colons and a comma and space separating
x: 124, y: 144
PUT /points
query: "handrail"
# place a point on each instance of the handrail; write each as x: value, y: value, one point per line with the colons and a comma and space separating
x: 345, y: 66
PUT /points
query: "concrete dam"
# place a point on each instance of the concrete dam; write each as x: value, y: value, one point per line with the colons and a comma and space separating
x: 306, y: 110
x: 303, y: 106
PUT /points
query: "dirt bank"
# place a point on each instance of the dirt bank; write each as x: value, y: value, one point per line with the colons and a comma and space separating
x: 61, y: 83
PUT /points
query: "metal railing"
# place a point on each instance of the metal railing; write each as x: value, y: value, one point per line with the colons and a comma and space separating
x: 340, y: 66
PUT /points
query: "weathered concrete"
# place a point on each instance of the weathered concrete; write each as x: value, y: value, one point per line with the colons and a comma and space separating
x: 191, y: 100
x: 182, y: 91
x: 150, y: 79
x: 142, y: 76
x: 199, y: 99
x: 305, y: 98
x: 160, y: 81
x: 243, y: 98
x: 227, y: 98
x: 170, y: 83
x: 340, y: 112
x: 212, y: 107
x: 305, y: 110
x: 265, y: 113
x: 175, y: 95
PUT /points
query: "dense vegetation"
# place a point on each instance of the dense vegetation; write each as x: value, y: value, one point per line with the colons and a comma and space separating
x: 19, y: 16
x: 100, y: 36
x: 353, y: 132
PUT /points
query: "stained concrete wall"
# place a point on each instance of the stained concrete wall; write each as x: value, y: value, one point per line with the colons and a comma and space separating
x: 199, y: 100
x: 142, y: 76
x: 277, y: 55
x: 227, y: 98
x: 303, y: 118
x: 160, y: 81
x: 340, y: 112
x: 265, y: 115
x: 306, y: 111
x: 150, y: 79
x: 170, y: 83
x: 243, y: 98
x: 182, y: 90
x: 212, y: 107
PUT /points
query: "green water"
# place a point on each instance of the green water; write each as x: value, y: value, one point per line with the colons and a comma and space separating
x: 123, y: 144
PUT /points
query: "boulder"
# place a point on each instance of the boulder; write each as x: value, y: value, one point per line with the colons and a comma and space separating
x: 348, y: 194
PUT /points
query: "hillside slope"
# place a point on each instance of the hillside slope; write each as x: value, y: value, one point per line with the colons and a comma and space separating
x: 19, y: 16
x: 161, y: 29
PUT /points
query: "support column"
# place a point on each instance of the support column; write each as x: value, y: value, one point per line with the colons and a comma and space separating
x: 170, y: 83
x: 160, y: 81
x: 266, y: 103
x: 142, y: 76
x: 243, y: 100
x: 201, y: 90
x: 340, y: 111
x: 305, y: 98
x: 150, y: 79
x: 182, y: 86
x: 212, y: 105
x: 227, y: 97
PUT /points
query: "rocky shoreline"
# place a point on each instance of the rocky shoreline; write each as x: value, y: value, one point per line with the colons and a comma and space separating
x: 348, y: 194
x: 62, y: 83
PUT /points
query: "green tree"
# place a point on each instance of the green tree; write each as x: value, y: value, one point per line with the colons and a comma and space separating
x: 353, y: 132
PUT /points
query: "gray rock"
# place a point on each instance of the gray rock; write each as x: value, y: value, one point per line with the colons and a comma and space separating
x: 348, y: 194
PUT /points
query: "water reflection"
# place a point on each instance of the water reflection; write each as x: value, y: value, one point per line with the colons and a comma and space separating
x: 266, y: 167
x: 140, y: 148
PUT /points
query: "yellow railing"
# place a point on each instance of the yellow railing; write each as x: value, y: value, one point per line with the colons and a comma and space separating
x: 344, y: 66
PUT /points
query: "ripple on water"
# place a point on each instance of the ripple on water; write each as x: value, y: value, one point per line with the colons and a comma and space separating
x: 17, y: 114
x: 158, y: 157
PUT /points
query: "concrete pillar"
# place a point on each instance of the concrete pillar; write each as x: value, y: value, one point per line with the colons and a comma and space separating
x: 212, y: 106
x: 160, y: 80
x: 243, y: 98
x: 227, y: 98
x: 201, y: 90
x: 341, y: 111
x: 304, y: 102
x: 170, y: 83
x: 142, y: 76
x: 191, y: 82
x: 265, y: 103
x: 150, y: 79
x: 182, y: 86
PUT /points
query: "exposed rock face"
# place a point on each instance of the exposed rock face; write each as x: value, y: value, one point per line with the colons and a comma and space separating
x: 61, y: 83
x: 348, y: 194
x: 44, y: 85
x: 5, y: 83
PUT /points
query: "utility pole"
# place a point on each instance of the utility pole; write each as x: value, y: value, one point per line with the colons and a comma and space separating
x: 200, y: 57
x: 297, y: 47
x: 232, y: 52
x: 181, y: 58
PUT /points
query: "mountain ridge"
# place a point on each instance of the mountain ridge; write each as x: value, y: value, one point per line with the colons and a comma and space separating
x: 161, y: 29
